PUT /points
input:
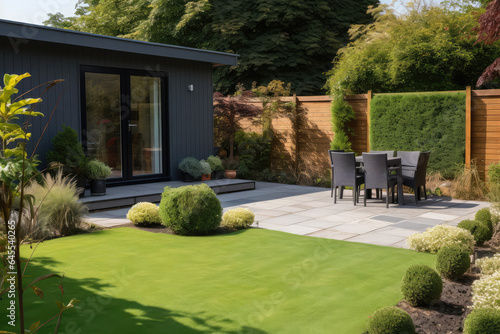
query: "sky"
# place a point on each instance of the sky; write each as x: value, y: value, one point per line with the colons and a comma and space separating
x: 35, y: 11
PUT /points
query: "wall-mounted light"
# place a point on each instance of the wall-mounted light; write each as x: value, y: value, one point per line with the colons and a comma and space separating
x: 190, y: 88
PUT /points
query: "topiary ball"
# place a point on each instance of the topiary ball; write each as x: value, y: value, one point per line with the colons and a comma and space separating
x: 190, y: 210
x: 478, y: 229
x: 452, y: 261
x: 482, y: 321
x: 144, y: 214
x: 484, y: 215
x: 390, y: 320
x: 238, y: 218
x: 421, y: 285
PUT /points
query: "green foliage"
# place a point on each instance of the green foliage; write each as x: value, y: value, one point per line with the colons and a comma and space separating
x: 489, y: 265
x: 254, y: 152
x: 190, y: 210
x: 67, y: 150
x: 452, y: 262
x: 482, y: 321
x: 238, y: 218
x: 390, y: 320
x: 429, y: 49
x: 215, y: 163
x: 421, y: 122
x: 59, y: 210
x: 421, y: 285
x: 494, y: 173
x: 484, y: 215
x: 341, y: 113
x: 191, y: 166
x: 97, y: 170
x: 144, y: 214
x: 435, y: 238
x: 478, y: 229
x: 205, y: 168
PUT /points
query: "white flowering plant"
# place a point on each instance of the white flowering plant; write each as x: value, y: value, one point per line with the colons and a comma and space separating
x: 489, y: 265
x: 239, y: 218
x: 486, y: 292
x: 433, y: 239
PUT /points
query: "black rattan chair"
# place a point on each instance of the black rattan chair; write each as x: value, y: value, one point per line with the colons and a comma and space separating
x: 346, y: 174
x: 331, y: 164
x: 414, y: 168
x: 378, y: 175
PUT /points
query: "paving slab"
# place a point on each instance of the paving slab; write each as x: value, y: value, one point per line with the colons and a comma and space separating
x: 380, y: 239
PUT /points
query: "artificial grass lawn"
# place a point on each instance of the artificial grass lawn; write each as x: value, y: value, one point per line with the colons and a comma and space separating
x: 253, y: 281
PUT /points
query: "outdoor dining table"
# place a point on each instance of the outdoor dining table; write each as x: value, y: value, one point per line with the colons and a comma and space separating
x: 391, y: 162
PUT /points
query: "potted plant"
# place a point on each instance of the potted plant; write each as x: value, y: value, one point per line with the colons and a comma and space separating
x: 206, y: 171
x: 190, y: 169
x: 216, y: 166
x: 231, y: 166
x: 97, y: 172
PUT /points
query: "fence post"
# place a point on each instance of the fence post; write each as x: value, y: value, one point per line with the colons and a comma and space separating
x: 468, y: 125
x: 368, y: 102
x: 296, y: 126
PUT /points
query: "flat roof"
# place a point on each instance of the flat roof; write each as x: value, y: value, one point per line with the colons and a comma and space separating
x: 26, y: 31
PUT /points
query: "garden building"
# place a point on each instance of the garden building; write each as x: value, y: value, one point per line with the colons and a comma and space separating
x: 139, y: 107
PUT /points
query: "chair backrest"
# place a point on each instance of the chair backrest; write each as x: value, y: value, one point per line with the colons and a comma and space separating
x: 409, y: 158
x: 390, y: 154
x: 330, y: 154
x: 375, y: 165
x: 345, y: 168
x: 421, y: 172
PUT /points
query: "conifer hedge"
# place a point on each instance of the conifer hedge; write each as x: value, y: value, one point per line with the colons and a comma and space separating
x: 421, y: 122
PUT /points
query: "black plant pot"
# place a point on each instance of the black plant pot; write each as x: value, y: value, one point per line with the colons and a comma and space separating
x: 98, y: 187
x: 81, y: 182
x: 185, y: 177
x: 218, y: 175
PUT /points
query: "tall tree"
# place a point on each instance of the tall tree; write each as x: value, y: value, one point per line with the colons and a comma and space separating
x: 488, y: 33
x: 289, y: 40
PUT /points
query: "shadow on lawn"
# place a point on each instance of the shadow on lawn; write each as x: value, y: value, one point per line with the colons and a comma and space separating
x: 97, y: 312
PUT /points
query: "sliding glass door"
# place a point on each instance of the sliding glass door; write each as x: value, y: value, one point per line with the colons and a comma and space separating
x: 125, y: 121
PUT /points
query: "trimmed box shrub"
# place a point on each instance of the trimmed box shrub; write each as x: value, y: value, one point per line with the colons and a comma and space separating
x: 390, y: 320
x: 488, y: 265
x: 144, y: 214
x: 190, y: 210
x: 482, y: 321
x: 486, y: 292
x: 421, y: 285
x: 478, y: 229
x: 452, y: 261
x: 484, y: 215
x: 239, y: 218
x: 434, y: 238
x: 424, y: 121
x: 191, y: 166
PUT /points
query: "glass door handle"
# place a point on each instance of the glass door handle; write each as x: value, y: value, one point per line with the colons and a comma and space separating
x: 131, y: 125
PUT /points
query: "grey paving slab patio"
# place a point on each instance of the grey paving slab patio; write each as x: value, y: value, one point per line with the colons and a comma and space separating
x: 310, y: 211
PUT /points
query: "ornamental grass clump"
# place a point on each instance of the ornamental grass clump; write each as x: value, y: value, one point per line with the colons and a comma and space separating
x: 239, y: 218
x: 145, y: 214
x: 482, y: 321
x: 486, y: 292
x: 478, y: 229
x: 433, y: 239
x: 452, y: 262
x: 421, y: 285
x: 190, y: 210
x: 390, y: 320
x: 489, y: 265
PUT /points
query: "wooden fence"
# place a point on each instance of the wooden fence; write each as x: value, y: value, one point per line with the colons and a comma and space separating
x: 307, y: 147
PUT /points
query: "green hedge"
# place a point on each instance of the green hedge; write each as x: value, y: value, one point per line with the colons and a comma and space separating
x: 421, y: 122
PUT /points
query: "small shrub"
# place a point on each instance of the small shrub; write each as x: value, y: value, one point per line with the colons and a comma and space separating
x: 433, y: 239
x: 238, y: 218
x: 190, y: 210
x: 390, y: 320
x: 144, y: 214
x: 482, y: 321
x: 97, y: 170
x: 478, y: 229
x: 494, y: 173
x: 190, y: 166
x: 495, y: 219
x: 59, y: 211
x: 452, y: 261
x: 489, y: 265
x: 67, y: 149
x: 205, y: 168
x: 484, y: 215
x: 215, y: 163
x: 486, y: 292
x: 421, y: 285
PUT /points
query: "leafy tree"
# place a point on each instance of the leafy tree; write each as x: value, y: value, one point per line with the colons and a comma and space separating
x: 488, y: 33
x: 293, y: 41
x: 432, y: 48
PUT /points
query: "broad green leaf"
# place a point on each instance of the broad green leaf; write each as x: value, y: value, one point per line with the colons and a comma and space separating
x: 37, y: 291
x: 34, y: 325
